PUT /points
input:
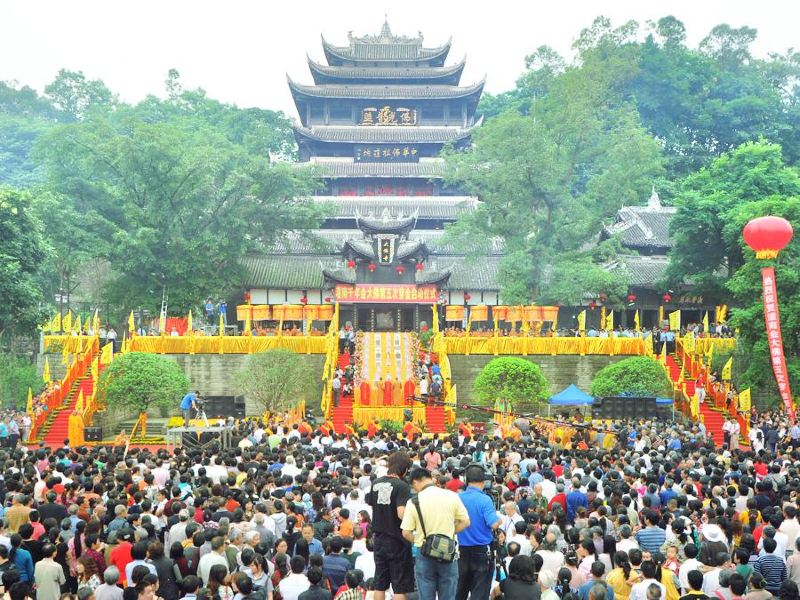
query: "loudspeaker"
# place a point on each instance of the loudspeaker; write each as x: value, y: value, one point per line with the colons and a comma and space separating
x: 224, y: 406
x: 93, y: 434
x: 623, y: 407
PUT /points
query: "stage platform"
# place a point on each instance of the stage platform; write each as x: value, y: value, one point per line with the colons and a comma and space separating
x: 203, y: 436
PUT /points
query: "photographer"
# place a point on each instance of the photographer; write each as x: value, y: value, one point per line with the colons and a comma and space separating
x: 188, y: 404
x: 475, y: 564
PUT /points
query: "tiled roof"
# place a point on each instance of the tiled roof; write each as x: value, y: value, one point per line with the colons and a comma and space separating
x: 427, y: 207
x: 643, y: 227
x: 288, y: 272
x: 388, y: 49
x: 351, y: 73
x: 296, y: 272
x: 383, y: 135
x: 383, y: 92
x: 644, y: 271
x: 426, y: 169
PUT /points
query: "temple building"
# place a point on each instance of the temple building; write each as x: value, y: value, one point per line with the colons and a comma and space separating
x: 373, y: 123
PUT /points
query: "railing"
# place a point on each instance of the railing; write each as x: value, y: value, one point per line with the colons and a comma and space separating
x: 56, y: 397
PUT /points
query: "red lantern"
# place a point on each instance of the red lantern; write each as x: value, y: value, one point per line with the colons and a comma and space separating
x: 247, y: 297
x: 603, y: 297
x: 327, y: 298
x: 768, y: 236
x: 303, y: 300
x: 592, y: 304
x: 371, y: 267
x: 419, y: 266
x: 631, y: 297
x: 467, y: 297
x: 351, y: 264
x: 667, y: 297
x: 400, y: 269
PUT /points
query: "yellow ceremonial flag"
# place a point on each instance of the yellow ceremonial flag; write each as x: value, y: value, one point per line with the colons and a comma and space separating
x: 248, y: 327
x: 722, y: 313
x: 189, y: 327
x: 131, y: 324
x: 66, y: 322
x: 55, y: 323
x: 96, y: 368
x: 469, y: 321
x: 726, y: 370
x: 582, y: 320
x: 221, y: 325
x: 744, y: 400
x: 435, y: 319
x: 682, y: 375
x: 675, y: 320
x: 162, y: 324
x: 610, y: 321
x: 79, y: 404
x: 77, y: 328
x: 46, y: 371
x: 29, y: 403
x: 705, y: 323
x: 107, y: 354
x: 96, y: 321
x: 664, y: 353
x: 496, y: 320
x: 64, y: 355
x: 636, y: 323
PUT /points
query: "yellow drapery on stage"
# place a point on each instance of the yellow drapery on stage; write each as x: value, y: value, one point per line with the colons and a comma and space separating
x: 544, y: 345
x: 582, y: 320
x: 675, y: 320
x: 229, y: 344
x: 454, y: 312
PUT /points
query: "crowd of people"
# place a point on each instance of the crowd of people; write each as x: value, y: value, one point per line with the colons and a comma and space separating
x: 721, y: 330
x: 298, y: 512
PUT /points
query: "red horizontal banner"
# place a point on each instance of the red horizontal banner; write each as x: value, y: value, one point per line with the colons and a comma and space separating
x: 381, y: 294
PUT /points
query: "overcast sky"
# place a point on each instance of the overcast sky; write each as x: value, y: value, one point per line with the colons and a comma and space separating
x: 240, y: 51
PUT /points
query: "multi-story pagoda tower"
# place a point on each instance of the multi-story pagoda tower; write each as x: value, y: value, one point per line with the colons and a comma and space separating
x: 374, y: 123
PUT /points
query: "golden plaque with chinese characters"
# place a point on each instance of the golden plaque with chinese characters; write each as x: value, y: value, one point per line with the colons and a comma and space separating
x: 389, y: 115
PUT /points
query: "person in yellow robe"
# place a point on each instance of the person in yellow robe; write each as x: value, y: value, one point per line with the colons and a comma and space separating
x: 397, y: 392
x: 121, y: 439
x: 75, y: 430
x: 377, y: 393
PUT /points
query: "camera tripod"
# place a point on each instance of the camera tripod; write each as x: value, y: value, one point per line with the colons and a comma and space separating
x: 200, y: 413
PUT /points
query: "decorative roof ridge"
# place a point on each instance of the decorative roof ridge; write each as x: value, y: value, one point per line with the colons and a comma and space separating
x: 308, y: 132
x: 444, y: 69
x: 456, y: 90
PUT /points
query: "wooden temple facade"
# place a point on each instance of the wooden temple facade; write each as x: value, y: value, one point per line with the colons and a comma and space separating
x: 373, y: 122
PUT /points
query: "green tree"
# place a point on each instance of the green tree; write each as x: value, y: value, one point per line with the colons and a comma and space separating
x: 637, y: 376
x: 276, y: 380
x: 76, y: 96
x: 548, y: 178
x: 138, y: 381
x: 707, y: 237
x: 511, y: 380
x: 17, y: 375
x: 172, y: 202
x: 22, y: 250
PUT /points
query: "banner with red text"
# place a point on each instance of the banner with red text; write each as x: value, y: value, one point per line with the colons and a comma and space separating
x: 774, y: 338
x: 379, y: 294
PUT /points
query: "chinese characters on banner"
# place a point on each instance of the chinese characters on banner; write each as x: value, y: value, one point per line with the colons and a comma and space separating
x: 377, y: 294
x: 384, y: 153
x: 774, y: 339
x: 389, y: 115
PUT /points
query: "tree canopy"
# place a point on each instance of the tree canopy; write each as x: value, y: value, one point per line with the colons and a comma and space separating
x: 634, y: 376
x: 512, y: 380
x: 276, y: 380
x: 138, y: 380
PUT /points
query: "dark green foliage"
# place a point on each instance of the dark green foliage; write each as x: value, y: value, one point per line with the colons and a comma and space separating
x: 511, y: 380
x: 17, y: 374
x: 138, y: 380
x: 22, y: 250
x: 636, y: 376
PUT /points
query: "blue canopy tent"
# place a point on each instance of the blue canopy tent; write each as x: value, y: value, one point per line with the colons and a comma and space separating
x: 570, y: 396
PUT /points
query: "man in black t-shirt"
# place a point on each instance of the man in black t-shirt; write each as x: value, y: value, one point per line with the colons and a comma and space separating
x: 388, y: 496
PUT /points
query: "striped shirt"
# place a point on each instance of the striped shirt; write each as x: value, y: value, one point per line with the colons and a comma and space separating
x: 773, y: 569
x: 651, y: 538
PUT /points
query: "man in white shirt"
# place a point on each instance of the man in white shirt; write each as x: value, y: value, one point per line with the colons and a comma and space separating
x: 296, y: 583
x: 781, y: 539
x: 790, y: 527
x: 627, y: 541
x: 690, y: 564
x: 509, y: 519
x: 215, y: 557
x: 639, y: 590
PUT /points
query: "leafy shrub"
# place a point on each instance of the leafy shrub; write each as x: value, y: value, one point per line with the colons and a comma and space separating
x: 635, y: 376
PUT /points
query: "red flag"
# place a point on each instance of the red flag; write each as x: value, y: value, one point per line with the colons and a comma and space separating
x: 774, y: 338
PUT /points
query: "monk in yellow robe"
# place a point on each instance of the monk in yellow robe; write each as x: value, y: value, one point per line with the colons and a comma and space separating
x: 377, y: 392
x: 75, y: 430
x: 121, y: 439
x: 397, y: 393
